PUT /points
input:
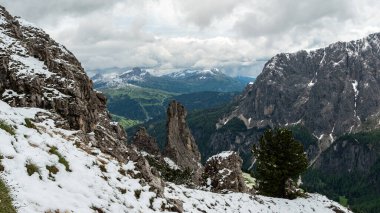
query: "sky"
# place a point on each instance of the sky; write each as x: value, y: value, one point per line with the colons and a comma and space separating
x: 236, y: 36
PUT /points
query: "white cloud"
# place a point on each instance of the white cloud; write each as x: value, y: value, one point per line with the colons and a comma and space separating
x: 173, y: 34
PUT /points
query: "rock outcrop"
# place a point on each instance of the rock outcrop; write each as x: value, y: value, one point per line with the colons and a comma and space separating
x: 144, y: 142
x: 223, y: 173
x: 181, y: 146
x: 36, y: 71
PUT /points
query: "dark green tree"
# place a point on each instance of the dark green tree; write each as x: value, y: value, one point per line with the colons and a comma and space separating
x: 280, y: 161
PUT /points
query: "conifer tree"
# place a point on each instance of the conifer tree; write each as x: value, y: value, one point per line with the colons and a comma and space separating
x: 280, y: 160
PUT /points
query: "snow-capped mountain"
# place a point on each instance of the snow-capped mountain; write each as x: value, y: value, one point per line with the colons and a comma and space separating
x: 60, y: 151
x: 185, y: 81
x: 196, y: 74
x: 133, y: 76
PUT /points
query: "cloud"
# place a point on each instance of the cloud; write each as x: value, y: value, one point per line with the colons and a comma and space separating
x: 270, y: 17
x: 204, y: 12
x: 42, y: 12
x: 169, y: 34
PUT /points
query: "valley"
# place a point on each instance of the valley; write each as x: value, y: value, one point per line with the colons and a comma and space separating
x: 149, y: 118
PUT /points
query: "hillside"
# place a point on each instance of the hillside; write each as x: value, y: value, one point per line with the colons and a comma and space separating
x: 136, y: 104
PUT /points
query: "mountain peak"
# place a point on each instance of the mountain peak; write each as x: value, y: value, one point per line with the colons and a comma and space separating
x: 38, y: 72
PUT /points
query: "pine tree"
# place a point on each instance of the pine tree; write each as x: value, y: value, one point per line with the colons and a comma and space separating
x: 280, y: 161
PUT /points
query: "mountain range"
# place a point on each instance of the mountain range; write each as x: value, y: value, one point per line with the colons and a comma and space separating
x: 186, y: 81
x: 135, y: 96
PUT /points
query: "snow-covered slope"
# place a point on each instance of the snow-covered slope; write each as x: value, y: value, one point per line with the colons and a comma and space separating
x: 94, y: 180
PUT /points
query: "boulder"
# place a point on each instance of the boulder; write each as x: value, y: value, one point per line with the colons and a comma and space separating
x: 144, y: 142
x: 223, y: 173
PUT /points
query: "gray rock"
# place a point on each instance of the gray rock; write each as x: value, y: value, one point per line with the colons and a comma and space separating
x: 330, y: 91
x: 181, y: 146
x: 144, y: 142
x: 223, y: 173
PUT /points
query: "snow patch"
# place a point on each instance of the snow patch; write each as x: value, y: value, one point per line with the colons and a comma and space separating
x: 222, y: 155
x: 171, y: 163
x: 356, y: 92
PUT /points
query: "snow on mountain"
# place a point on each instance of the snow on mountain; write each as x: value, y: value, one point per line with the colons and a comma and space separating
x: 138, y: 75
x: 200, y: 74
x: 125, y: 78
x: 94, y: 180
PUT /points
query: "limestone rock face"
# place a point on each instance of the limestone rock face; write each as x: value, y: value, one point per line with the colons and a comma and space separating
x: 181, y: 146
x: 223, y: 173
x: 36, y: 71
x: 144, y: 142
x: 331, y: 91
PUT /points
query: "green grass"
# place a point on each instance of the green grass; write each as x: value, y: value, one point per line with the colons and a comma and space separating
x: 5, y: 199
x: 52, y: 169
x: 1, y: 165
x: 32, y: 168
x: 54, y: 150
x: 140, y: 93
x: 125, y: 122
x: 249, y: 180
x: 29, y: 124
x: 343, y: 201
x: 6, y: 127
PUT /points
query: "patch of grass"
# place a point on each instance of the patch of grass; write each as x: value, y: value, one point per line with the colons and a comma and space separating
x: 29, y: 123
x: 32, y: 168
x: 151, y: 200
x: 97, y: 209
x: 343, y: 201
x: 123, y: 191
x: 102, y: 168
x: 1, y: 165
x: 52, y: 169
x: 6, y: 127
x: 54, y: 150
x: 125, y: 122
x: 249, y: 180
x: 5, y: 199
x: 137, y: 193
x: 122, y: 172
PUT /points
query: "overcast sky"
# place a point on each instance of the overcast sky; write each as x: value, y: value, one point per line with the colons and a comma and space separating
x: 236, y: 35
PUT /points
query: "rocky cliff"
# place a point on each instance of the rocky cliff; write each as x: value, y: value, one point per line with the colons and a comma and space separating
x: 330, y: 91
x: 322, y: 95
x: 181, y: 146
x: 35, y: 71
